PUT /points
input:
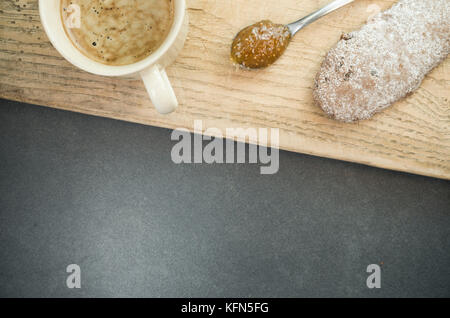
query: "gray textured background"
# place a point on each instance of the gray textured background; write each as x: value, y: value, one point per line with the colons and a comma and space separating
x: 105, y: 194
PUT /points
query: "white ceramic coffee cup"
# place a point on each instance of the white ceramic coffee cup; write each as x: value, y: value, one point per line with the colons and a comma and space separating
x: 151, y: 69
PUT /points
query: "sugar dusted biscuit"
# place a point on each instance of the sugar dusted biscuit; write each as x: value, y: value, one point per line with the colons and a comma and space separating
x: 384, y: 61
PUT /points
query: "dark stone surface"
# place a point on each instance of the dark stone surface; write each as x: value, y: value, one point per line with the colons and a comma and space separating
x: 105, y: 195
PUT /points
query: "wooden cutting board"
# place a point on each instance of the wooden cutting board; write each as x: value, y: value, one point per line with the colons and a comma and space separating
x: 412, y: 136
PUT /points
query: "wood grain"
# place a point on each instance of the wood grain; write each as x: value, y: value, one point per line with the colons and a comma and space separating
x: 413, y: 135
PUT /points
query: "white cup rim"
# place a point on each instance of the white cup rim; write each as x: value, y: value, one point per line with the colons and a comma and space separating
x: 123, y: 70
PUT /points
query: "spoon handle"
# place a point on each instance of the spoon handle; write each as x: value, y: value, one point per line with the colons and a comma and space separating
x: 300, y: 24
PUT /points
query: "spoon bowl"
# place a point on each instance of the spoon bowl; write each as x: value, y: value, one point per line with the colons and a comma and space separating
x: 261, y: 44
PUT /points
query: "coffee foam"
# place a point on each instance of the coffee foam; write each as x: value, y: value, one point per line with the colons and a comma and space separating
x: 117, y: 32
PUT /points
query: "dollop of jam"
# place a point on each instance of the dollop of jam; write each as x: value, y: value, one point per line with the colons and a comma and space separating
x: 260, y: 45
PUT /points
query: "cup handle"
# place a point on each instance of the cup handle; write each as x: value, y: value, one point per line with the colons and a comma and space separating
x: 160, y: 90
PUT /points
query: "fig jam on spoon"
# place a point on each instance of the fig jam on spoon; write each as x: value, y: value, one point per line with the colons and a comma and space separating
x: 261, y: 44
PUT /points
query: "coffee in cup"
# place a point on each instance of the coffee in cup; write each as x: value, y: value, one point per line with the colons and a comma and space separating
x: 117, y: 32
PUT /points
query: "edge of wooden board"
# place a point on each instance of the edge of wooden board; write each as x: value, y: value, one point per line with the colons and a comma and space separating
x: 377, y: 164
